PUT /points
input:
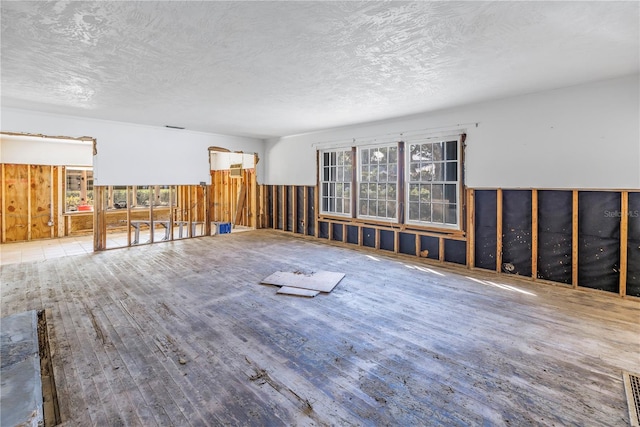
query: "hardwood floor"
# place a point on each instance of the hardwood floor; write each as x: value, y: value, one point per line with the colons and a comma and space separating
x: 182, y: 333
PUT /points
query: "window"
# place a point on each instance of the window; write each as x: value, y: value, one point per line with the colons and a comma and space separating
x: 433, y: 182
x: 78, y: 189
x: 335, y: 180
x: 416, y: 181
x: 378, y: 182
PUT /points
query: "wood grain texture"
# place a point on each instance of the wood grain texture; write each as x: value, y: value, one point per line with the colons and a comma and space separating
x: 182, y: 334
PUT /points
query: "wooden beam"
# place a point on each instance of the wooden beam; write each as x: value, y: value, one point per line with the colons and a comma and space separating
x: 274, y: 206
x: 52, y: 203
x: 255, y: 205
x: 499, y: 230
x: 285, y: 217
x: 4, y: 206
x: 240, y: 204
x: 418, y: 244
x: 396, y: 241
x: 574, y: 239
x: 377, y: 238
x: 294, y: 208
x: 129, y: 198
x: 471, y: 228
x: 534, y: 234
x: 441, y: 249
x: 624, y: 233
x: 305, y: 209
x: 29, y: 202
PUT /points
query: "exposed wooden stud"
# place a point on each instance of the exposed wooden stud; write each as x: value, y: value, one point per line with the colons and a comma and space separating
x: 129, y: 197
x: 52, y: 204
x: 396, y: 241
x: 441, y: 249
x: 534, y: 234
x: 294, y: 208
x: 499, y: 230
x: 29, y: 202
x: 316, y: 201
x: 330, y: 230
x: 255, y: 205
x: 240, y: 205
x: 377, y: 238
x: 624, y: 235
x: 285, y: 217
x: 152, y: 227
x: 305, y: 208
x: 418, y: 244
x: 471, y: 228
x: 274, y: 206
x: 574, y: 240
x: 4, y: 206
x: 360, y: 234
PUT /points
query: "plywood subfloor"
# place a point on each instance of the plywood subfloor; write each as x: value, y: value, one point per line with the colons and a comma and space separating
x: 321, y: 281
x: 180, y: 333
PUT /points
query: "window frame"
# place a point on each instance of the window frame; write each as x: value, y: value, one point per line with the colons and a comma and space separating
x: 347, y: 179
x: 359, y: 181
x: 444, y: 182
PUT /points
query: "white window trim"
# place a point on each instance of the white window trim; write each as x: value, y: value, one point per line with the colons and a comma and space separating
x: 407, y: 181
x: 359, y: 181
x: 321, y: 182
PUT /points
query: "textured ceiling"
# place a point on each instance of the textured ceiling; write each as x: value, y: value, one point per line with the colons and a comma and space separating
x: 280, y: 68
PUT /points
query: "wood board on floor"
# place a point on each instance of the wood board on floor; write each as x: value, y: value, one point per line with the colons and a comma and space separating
x: 322, y: 281
x: 288, y: 290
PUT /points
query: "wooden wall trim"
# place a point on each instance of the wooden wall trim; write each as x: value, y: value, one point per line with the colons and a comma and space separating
x: 624, y: 232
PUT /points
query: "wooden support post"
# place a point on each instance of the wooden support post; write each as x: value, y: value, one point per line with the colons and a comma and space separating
x: 534, y: 234
x: 396, y: 241
x: 255, y: 205
x: 441, y: 249
x: 345, y: 233
x: 360, y: 235
x: 574, y: 240
x: 274, y: 206
x: 330, y: 230
x: 316, y: 210
x: 129, y: 198
x: 305, y: 209
x: 52, y: 203
x: 499, y: 230
x: 151, y: 223
x: 624, y: 233
x: 285, y: 217
x: 294, y: 208
x: 377, y: 238
x: 418, y: 242
x: 471, y: 228
x: 240, y: 205
x: 4, y: 206
x: 29, y: 202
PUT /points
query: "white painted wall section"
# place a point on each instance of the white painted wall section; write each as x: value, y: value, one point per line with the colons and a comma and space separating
x: 585, y: 136
x: 130, y: 154
x: 45, y: 151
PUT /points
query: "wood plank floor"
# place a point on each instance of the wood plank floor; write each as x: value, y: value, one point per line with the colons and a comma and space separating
x: 182, y: 333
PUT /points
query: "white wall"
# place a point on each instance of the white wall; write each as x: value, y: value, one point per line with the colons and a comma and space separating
x: 585, y: 136
x: 130, y: 154
x: 45, y: 151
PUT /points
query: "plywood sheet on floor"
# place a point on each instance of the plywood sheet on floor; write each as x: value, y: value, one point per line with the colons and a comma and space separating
x: 288, y: 290
x: 322, y: 281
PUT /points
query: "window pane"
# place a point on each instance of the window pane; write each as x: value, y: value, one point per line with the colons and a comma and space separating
x: 414, y: 211
x: 364, y: 207
x: 364, y: 191
x: 414, y: 192
x: 364, y: 156
x: 347, y: 205
x: 393, y: 155
x: 325, y: 204
x: 437, y: 212
x: 451, y: 173
x: 425, y: 193
x: 451, y: 150
x: 339, y: 205
x: 450, y: 214
x: 425, y: 212
x: 437, y: 151
x: 437, y: 191
x: 450, y: 193
x: 438, y: 172
x: 391, y: 209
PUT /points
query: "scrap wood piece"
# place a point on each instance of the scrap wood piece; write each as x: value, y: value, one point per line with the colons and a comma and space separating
x: 289, y: 290
x: 322, y: 281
